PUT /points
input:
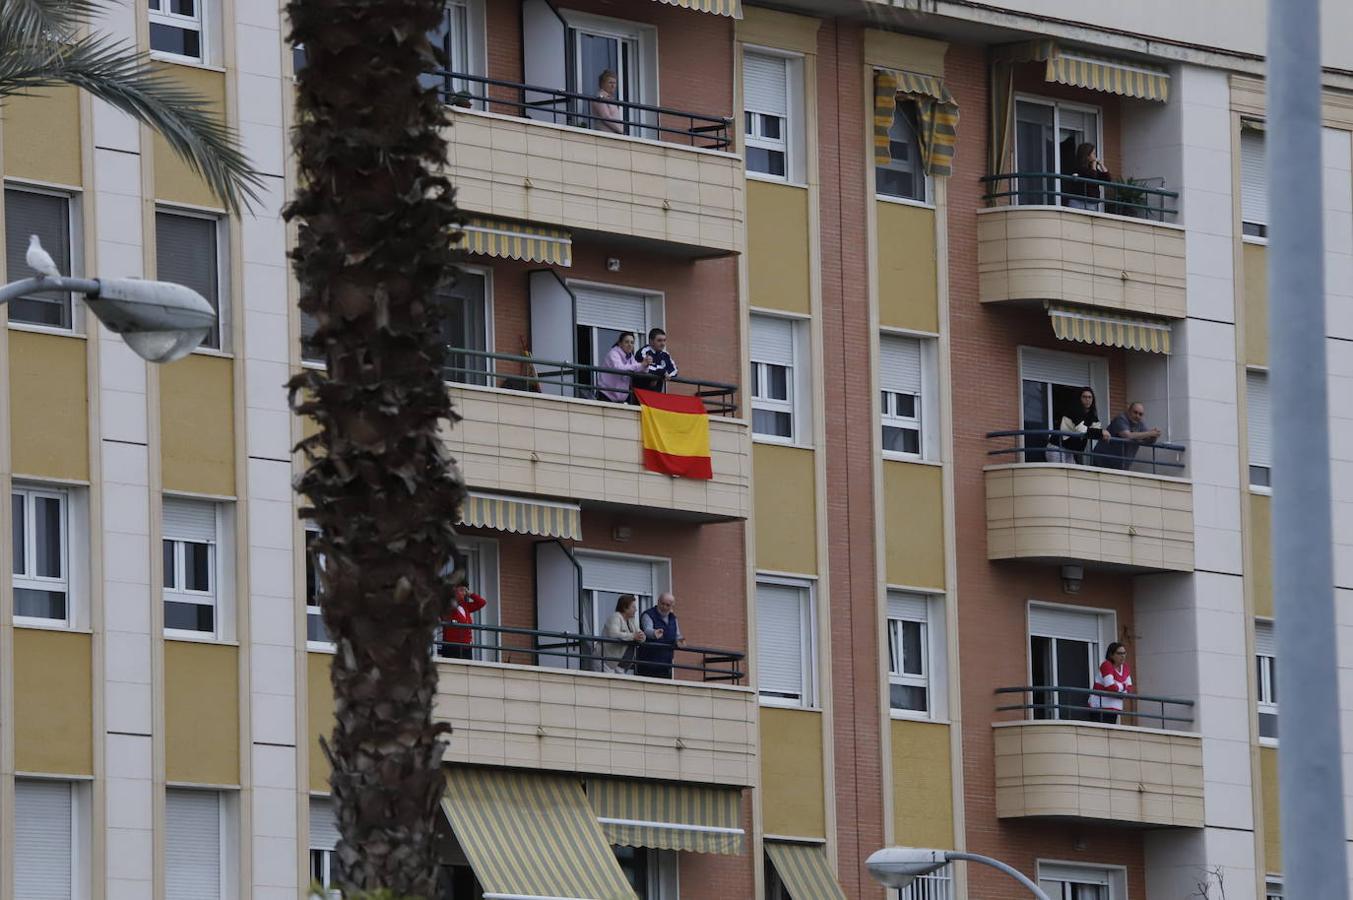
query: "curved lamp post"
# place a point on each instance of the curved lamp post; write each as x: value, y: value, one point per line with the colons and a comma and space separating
x: 159, y: 320
x: 897, y: 867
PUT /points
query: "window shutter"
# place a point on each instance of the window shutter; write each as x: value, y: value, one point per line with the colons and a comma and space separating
x: 779, y: 626
x: 903, y: 605
x: 1071, y: 874
x: 623, y: 312
x: 1265, y: 639
x: 765, y: 84
x: 1259, y: 412
x: 27, y: 213
x: 185, y: 253
x: 1047, y: 366
x: 617, y: 574
x: 323, y: 824
x: 1049, y: 621
x: 1253, y: 178
x: 192, y: 850
x: 900, y: 364
x: 772, y: 340
x: 42, y: 839
x: 189, y: 520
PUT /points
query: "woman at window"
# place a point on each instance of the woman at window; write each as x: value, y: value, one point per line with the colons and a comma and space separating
x: 606, y: 115
x: 611, y: 385
x: 623, y: 625
x: 1114, y: 676
x: 1085, y: 423
x: 1088, y: 169
x: 456, y: 636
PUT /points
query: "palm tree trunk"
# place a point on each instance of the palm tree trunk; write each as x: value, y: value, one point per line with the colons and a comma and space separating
x: 376, y: 225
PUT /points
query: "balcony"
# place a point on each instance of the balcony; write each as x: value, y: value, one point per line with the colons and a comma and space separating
x: 544, y: 155
x: 1081, y: 512
x: 1060, y: 765
x: 539, y: 433
x: 532, y: 711
x: 1122, y: 254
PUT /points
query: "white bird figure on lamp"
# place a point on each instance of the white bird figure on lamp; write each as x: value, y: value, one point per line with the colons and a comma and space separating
x: 40, y: 260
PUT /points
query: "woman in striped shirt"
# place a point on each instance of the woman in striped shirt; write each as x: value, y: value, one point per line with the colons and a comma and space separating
x: 1115, y: 676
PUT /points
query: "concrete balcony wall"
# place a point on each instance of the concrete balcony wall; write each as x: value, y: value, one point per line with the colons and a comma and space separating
x: 1079, y: 514
x: 587, y: 450
x: 597, y: 724
x: 1113, y: 263
x: 585, y: 180
x: 1089, y: 771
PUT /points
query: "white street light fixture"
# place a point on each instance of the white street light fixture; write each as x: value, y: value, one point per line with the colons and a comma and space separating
x: 161, y: 321
x: 898, y: 867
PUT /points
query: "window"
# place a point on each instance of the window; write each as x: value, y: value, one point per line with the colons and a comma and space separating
x: 41, y: 530
x: 606, y: 576
x: 1051, y: 382
x: 1258, y: 411
x: 766, y: 111
x: 1253, y: 183
x: 902, y: 381
x: 193, y: 868
x: 480, y: 558
x: 786, y: 658
x: 467, y: 327
x: 190, y: 567
x: 323, y: 839
x: 309, y: 325
x: 48, y: 215
x: 902, y: 176
x: 1064, y: 881
x: 1266, y: 678
x: 176, y: 29
x: 603, y: 314
x: 775, y: 369
x: 916, y: 654
x: 938, y: 885
x: 651, y: 873
x: 1047, y: 134
x: 1273, y: 888
x: 44, y: 844
x: 1065, y: 649
x: 315, y: 632
x: 188, y: 252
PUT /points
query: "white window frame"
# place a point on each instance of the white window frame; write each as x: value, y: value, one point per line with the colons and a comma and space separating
x: 74, y: 222
x: 35, y: 582
x: 894, y: 165
x: 934, y: 651
x: 1065, y: 871
x: 328, y: 873
x: 1273, y: 887
x: 1107, y: 633
x: 482, y: 578
x: 476, y: 49
x: 644, y: 41
x: 927, y: 401
x: 1265, y: 689
x: 80, y: 835
x: 794, y: 142
x: 224, y: 306
x: 1256, y: 378
x: 808, y: 694
x: 659, y: 566
x: 1057, y: 107
x: 312, y: 610
x: 228, y: 849
x: 798, y: 378
x: 159, y: 15
x: 1261, y: 227
x: 490, y: 346
x: 220, y: 573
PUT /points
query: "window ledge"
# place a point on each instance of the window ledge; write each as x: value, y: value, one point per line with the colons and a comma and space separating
x: 906, y: 458
x: 902, y: 715
x: 212, y: 351
x: 779, y: 441
x: 48, y: 329
x: 187, y: 62
x: 772, y: 179
x: 189, y: 638
x: 40, y: 625
x: 1254, y: 239
x: 1268, y: 742
x: 786, y: 704
x: 904, y: 201
x: 320, y: 647
x: 1261, y: 491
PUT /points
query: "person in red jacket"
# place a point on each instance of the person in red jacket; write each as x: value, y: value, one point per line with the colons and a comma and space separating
x: 456, y: 638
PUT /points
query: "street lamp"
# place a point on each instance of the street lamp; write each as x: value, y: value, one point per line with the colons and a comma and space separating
x: 897, y: 867
x: 159, y: 320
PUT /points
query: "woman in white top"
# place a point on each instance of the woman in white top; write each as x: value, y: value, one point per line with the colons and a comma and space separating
x: 622, y: 626
x: 1115, y: 676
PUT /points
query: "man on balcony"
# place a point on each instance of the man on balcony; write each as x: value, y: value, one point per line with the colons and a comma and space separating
x: 660, y: 364
x: 1127, y: 432
x: 662, y: 637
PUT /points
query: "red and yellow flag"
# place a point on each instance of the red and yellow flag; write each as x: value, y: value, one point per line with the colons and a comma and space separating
x: 676, y: 434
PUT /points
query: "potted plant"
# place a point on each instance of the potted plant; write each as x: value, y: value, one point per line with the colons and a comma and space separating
x: 462, y: 99
x: 1129, y: 199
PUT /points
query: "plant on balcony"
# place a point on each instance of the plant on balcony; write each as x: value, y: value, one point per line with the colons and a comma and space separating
x: 1129, y: 198
x: 376, y: 221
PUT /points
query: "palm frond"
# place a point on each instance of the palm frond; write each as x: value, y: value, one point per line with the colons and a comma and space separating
x: 124, y: 78
x: 30, y: 22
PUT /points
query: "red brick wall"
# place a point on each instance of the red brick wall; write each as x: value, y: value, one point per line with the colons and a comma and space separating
x: 992, y: 596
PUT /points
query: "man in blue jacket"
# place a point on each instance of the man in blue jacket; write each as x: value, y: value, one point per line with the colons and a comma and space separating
x: 662, y: 633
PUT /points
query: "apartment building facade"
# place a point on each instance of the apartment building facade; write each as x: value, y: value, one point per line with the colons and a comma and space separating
x: 862, y: 229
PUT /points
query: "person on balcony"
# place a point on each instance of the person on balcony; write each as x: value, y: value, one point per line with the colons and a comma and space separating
x: 611, y: 386
x: 658, y: 363
x: 662, y: 638
x: 456, y: 636
x: 622, y: 626
x: 1116, y: 677
x: 1088, y: 169
x: 1084, y: 423
x: 606, y: 114
x: 1127, y: 432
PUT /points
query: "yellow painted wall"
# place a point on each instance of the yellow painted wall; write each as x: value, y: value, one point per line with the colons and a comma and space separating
x: 1273, y: 842
x: 923, y: 805
x: 321, y: 706
x: 913, y: 502
x: 1255, y: 272
x: 785, y: 508
x: 174, y: 181
x: 908, y: 296
x: 53, y: 702
x: 792, y: 792
x: 42, y: 136
x: 1261, y: 558
x: 197, y: 419
x: 201, y: 712
x: 777, y: 246
x: 49, y: 405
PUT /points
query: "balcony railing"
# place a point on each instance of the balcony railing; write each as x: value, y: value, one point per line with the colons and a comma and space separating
x: 479, y: 367
x: 585, y: 652
x: 1055, y: 701
x: 1039, y: 445
x: 570, y: 108
x: 1120, y: 198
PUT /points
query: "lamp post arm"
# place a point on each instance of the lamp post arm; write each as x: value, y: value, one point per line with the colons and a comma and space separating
x: 17, y: 289
x: 1014, y: 873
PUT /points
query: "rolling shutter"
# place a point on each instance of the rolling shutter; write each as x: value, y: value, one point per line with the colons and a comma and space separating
x: 192, y: 847
x: 1253, y: 178
x: 900, y: 364
x: 45, y: 215
x: 617, y: 574
x: 42, y: 840
x: 1260, y: 414
x: 765, y: 84
x: 189, y: 520
x: 1071, y: 624
x: 779, y: 625
x: 623, y: 312
x: 323, y: 824
x: 1068, y: 369
x: 185, y: 253
x: 1265, y: 639
x: 902, y: 605
x: 772, y: 340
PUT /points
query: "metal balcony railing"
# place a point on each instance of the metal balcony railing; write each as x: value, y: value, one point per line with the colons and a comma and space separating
x: 1041, y: 445
x: 1060, y: 702
x: 560, y: 107
x: 1121, y: 198
x: 534, y: 647
x: 480, y: 367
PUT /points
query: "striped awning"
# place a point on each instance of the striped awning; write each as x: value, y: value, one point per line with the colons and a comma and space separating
x: 518, y: 240
x: 531, y: 835
x: 1108, y: 330
x: 937, y: 116
x: 1113, y: 76
x: 693, y: 818
x: 520, y: 515
x: 803, y: 870
x: 731, y: 8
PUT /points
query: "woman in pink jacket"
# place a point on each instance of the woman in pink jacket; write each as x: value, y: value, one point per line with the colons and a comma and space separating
x: 616, y: 387
x: 1115, y: 676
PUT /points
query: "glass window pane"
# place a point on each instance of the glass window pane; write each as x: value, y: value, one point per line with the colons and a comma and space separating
x: 17, y: 530
x: 170, y: 581
x: 196, y: 566
x: 47, y: 216
x: 47, y: 533
x: 894, y: 647
x: 180, y: 42
x: 40, y: 604
x: 772, y: 127
x: 768, y: 162
x: 911, y: 648
x: 189, y: 616
x: 315, y: 630
x: 907, y: 696
x: 779, y: 382
x: 1268, y: 725
x: 185, y: 246
x: 906, y: 405
x: 183, y: 7
x: 772, y: 422
x: 901, y: 440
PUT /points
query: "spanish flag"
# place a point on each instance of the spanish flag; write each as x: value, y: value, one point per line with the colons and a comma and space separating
x: 676, y: 434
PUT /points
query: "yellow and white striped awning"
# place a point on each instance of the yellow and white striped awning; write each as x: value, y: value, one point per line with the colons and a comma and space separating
x: 732, y: 8
x: 693, y: 818
x: 1107, y: 330
x: 531, y: 835
x: 936, y: 113
x: 1113, y: 76
x: 518, y: 240
x: 803, y: 870
x: 521, y: 515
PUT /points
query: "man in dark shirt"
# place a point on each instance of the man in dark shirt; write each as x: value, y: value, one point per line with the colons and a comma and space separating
x: 1130, y: 429
x: 661, y: 366
x: 662, y: 637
